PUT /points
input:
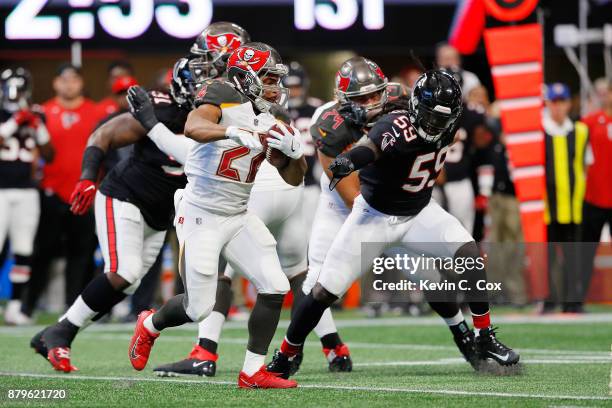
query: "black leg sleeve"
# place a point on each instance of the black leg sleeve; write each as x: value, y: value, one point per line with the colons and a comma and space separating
x: 263, y: 322
x: 306, y: 316
x: 478, y: 299
x: 223, y: 299
x: 171, y: 314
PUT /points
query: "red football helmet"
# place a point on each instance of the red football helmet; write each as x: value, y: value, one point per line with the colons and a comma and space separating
x: 213, y: 47
x: 256, y: 70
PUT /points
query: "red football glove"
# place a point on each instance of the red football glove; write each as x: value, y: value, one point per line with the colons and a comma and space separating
x: 27, y: 117
x: 82, y: 197
x: 481, y: 202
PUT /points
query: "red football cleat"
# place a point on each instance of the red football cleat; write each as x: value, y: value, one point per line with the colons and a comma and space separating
x: 59, y: 357
x: 264, y: 379
x: 142, y: 342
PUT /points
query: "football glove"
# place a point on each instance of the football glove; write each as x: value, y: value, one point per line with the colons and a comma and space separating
x: 27, y: 117
x: 354, y: 114
x: 82, y: 197
x: 341, y: 167
x: 141, y: 107
x: 243, y: 137
x: 286, y: 142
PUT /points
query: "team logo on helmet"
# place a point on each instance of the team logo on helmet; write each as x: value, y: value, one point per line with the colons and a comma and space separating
x: 223, y: 42
x: 246, y: 57
x: 343, y: 82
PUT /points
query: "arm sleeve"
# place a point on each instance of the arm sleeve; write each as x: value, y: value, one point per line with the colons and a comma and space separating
x: 360, y: 156
x: 173, y: 145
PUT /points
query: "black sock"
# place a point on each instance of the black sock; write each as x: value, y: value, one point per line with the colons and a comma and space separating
x: 477, y: 299
x: 208, y: 345
x: 17, y: 290
x: 331, y: 340
x: 263, y: 322
x: 60, y: 334
x: 171, y: 314
x: 306, y: 316
x: 100, y: 295
x: 459, y: 330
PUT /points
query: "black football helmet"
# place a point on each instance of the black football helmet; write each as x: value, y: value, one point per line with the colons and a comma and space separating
x: 186, y: 81
x: 296, y: 78
x: 249, y: 65
x: 15, y: 88
x: 435, y: 104
x: 214, y: 46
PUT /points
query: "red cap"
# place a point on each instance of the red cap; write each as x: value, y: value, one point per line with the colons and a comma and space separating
x: 122, y: 84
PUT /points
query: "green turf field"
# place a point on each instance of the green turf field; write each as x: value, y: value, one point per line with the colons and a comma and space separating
x: 398, y: 362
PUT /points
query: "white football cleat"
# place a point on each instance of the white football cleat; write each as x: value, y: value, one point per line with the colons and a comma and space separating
x: 13, y: 315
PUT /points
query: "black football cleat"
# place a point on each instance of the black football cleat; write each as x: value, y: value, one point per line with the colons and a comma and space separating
x: 296, y: 362
x: 280, y: 365
x: 339, y: 359
x: 467, y: 346
x: 38, y: 344
x: 487, y: 346
x: 200, y: 362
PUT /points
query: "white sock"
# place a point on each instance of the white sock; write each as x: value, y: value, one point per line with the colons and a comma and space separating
x: 79, y: 313
x: 326, y: 325
x: 455, y: 320
x: 252, y: 363
x: 148, y: 324
x: 210, y: 328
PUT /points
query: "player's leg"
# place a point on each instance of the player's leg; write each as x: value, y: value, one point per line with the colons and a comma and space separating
x: 201, y: 236
x: 121, y: 231
x: 327, y: 223
x: 202, y: 360
x: 252, y: 251
x: 344, y: 263
x: 436, y: 233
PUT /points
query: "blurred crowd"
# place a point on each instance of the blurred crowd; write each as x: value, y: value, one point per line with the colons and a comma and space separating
x: 39, y: 169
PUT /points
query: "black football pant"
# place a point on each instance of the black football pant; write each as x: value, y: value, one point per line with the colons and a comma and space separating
x: 61, y: 233
x: 593, y: 220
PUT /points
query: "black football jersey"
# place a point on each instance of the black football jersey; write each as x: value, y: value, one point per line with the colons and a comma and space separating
x: 460, y: 157
x: 400, y: 182
x: 301, y: 117
x: 331, y: 133
x: 148, y: 178
x: 17, y: 154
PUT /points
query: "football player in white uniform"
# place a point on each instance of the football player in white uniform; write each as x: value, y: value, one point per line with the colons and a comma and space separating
x: 229, y: 123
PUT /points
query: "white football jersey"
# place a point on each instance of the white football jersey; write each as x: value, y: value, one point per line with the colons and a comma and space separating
x: 221, y: 174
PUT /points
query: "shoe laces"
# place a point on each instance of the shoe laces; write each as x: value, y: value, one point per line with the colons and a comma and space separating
x: 491, y: 336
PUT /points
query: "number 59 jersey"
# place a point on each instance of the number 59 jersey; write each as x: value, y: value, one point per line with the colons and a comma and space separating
x: 400, y: 182
x: 220, y: 174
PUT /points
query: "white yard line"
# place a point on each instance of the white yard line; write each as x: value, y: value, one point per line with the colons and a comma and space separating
x: 458, y: 361
x: 378, y: 322
x: 97, y: 335
x: 74, y: 377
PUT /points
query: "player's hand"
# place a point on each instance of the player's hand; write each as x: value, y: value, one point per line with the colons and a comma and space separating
x: 354, y: 114
x: 141, y: 107
x: 27, y: 117
x: 286, y: 142
x: 340, y: 168
x: 82, y: 197
x: 243, y: 137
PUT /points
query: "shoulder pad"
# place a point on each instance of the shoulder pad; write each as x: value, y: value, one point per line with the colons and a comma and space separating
x: 215, y: 92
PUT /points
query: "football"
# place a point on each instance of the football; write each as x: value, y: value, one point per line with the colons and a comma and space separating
x: 274, y: 156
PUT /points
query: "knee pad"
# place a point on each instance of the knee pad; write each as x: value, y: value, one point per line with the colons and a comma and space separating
x: 198, y: 309
x: 130, y: 269
x: 322, y: 295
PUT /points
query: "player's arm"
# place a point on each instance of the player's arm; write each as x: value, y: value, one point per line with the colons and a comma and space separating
x: 348, y: 189
x: 357, y: 158
x: 143, y: 111
x: 120, y: 131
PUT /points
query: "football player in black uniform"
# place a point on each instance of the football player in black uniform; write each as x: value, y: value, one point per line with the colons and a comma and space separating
x: 398, y: 164
x: 22, y: 135
x: 336, y: 127
x: 134, y: 208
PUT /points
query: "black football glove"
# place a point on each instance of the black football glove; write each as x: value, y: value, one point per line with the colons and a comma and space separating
x: 354, y: 114
x: 340, y: 168
x: 141, y: 107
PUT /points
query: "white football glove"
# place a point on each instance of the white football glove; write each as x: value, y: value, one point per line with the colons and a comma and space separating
x: 286, y: 142
x: 243, y: 137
